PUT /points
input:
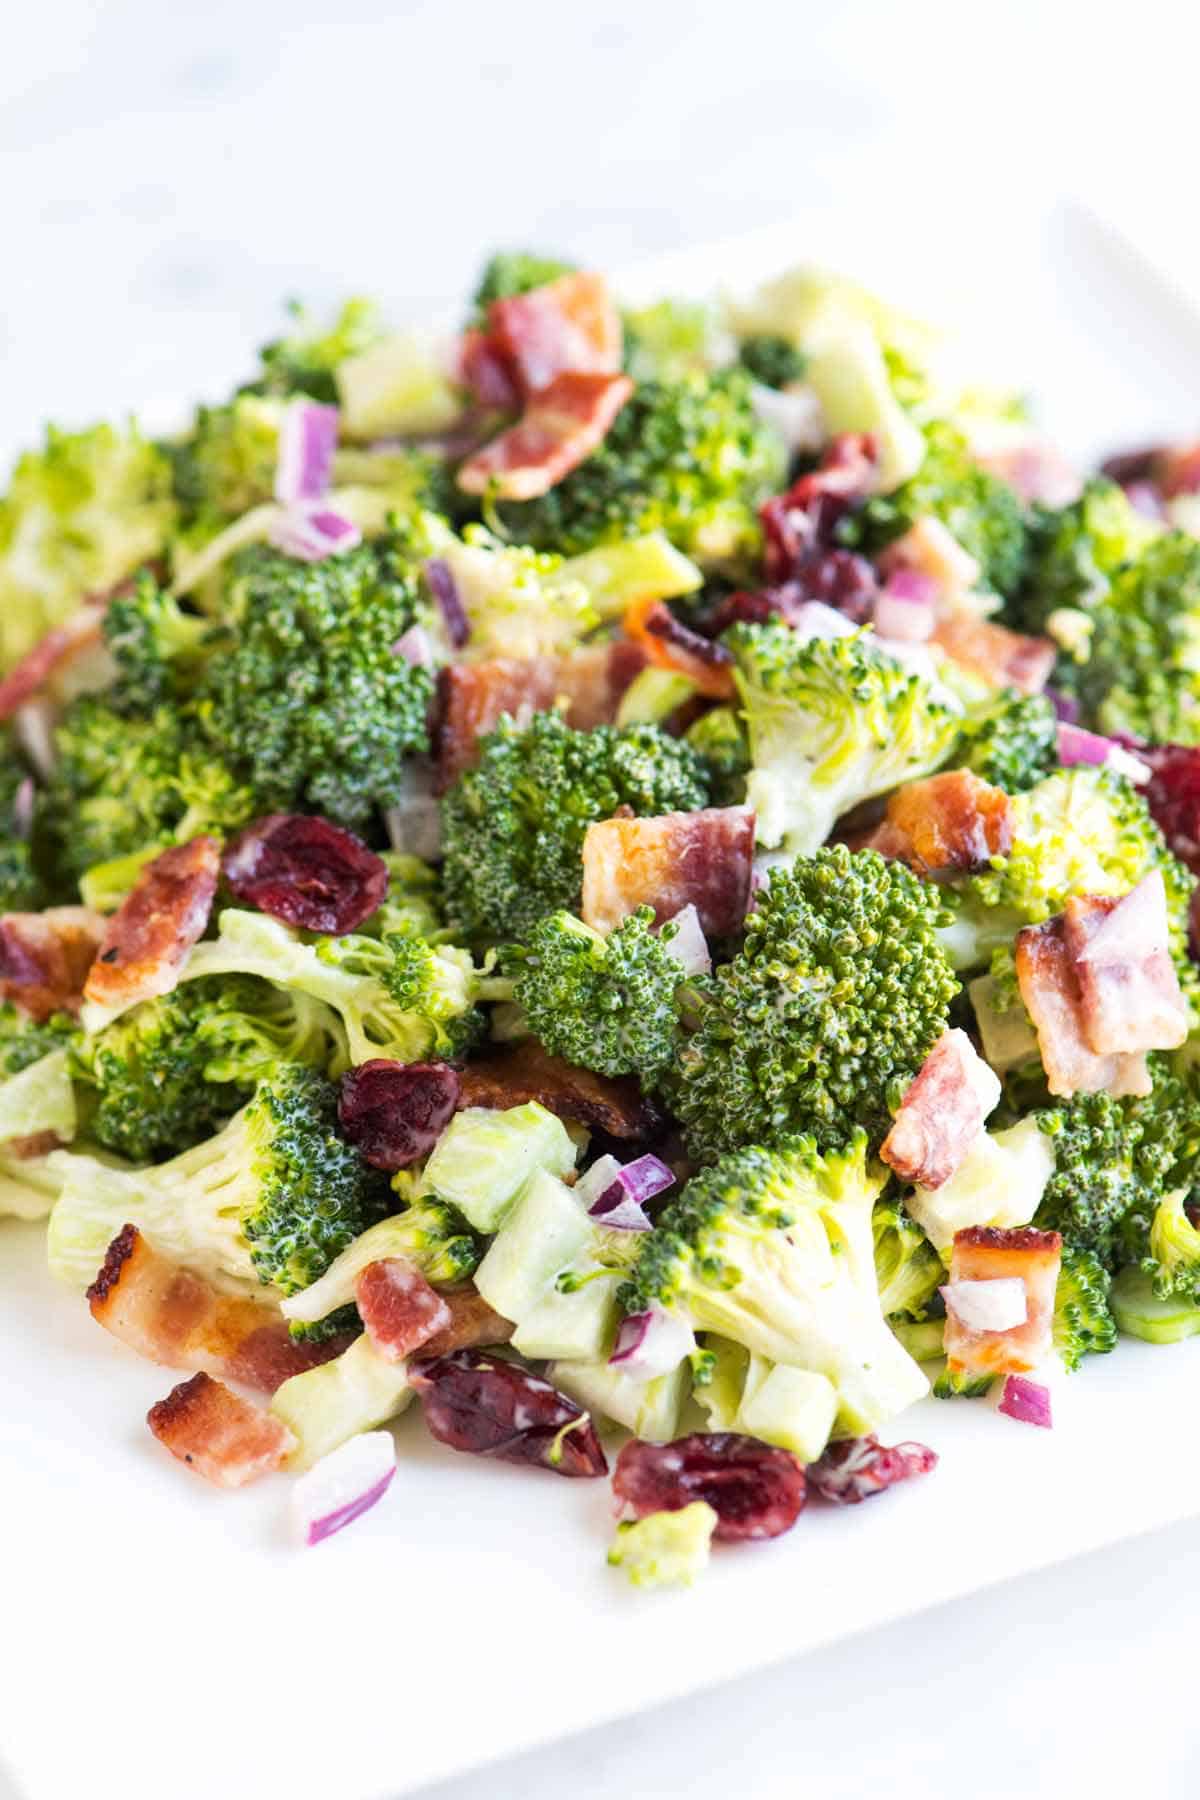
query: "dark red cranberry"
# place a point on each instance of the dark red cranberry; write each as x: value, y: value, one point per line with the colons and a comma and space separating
x: 755, y: 1489
x: 804, y: 519
x: 838, y: 578
x: 1128, y: 466
x: 482, y: 1404
x: 305, y: 871
x: 662, y: 623
x: 1173, y: 796
x: 855, y: 1468
x: 394, y: 1113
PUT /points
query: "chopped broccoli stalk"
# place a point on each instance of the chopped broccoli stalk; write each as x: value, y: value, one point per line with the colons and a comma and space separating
x: 924, y: 1339
x: 831, y: 722
x: 603, y: 1003
x: 430, y: 1233
x: 665, y: 1549
x: 653, y: 695
x: 1012, y: 742
x: 794, y: 1408
x: 1142, y: 1313
x: 962, y: 1384
x: 512, y: 272
x: 773, y: 1248
x: 1083, y: 1320
x: 825, y: 1015
x: 356, y: 1391
x: 771, y: 359
x: 1000, y: 1181
x: 652, y: 1408
x: 513, y: 827
x: 907, y: 1267
x: 484, y: 1158
x: 271, y: 1200
x: 30, y: 1185
x: 39, y: 1099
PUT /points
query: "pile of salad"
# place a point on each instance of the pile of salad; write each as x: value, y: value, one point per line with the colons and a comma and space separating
x: 625, y: 876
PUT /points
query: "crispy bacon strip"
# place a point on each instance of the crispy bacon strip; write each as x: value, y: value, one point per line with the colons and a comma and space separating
x: 702, y: 859
x: 1002, y: 657
x: 1050, y: 990
x: 567, y: 325
x: 76, y: 634
x: 1036, y: 469
x: 472, y: 1323
x: 485, y: 369
x: 950, y: 822
x: 45, y: 958
x: 669, y: 644
x: 942, y: 1113
x: 172, y: 1316
x: 560, y: 426
x: 529, y: 1073
x: 148, y: 938
x: 1129, y: 993
x: 987, y: 1253
x: 400, y: 1311
x: 226, y: 1439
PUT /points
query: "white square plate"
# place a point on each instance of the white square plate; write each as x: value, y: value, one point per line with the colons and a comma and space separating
x: 162, y: 1638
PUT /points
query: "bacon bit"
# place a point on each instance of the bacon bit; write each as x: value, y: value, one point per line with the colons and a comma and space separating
x: 930, y: 549
x: 487, y: 372
x: 669, y: 644
x: 475, y: 696
x: 1129, y: 992
x: 61, y: 645
x: 1050, y: 989
x: 472, y: 1323
x: 1177, y: 471
x: 942, y: 1113
x: 221, y: 1436
x: 803, y: 519
x: 147, y: 939
x: 529, y: 1073
x: 271, y: 1355
x: 1036, y: 470
x: 400, y: 1310
x: 45, y: 958
x: 702, y: 859
x: 568, y: 325
x: 987, y: 1253
x: 560, y: 426
x: 953, y: 822
x: 1001, y: 657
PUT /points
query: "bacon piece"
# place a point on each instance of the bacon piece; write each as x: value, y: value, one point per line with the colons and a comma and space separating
x: 1037, y: 471
x: 400, y: 1310
x: 953, y: 822
x: 1049, y: 987
x: 942, y: 1112
x: 530, y: 1073
x: 560, y: 426
x: 702, y: 859
x: 486, y: 370
x: 999, y: 656
x: 1129, y: 993
x: 226, y: 1439
x: 932, y: 550
x: 1177, y: 470
x: 80, y: 632
x: 475, y: 696
x: 45, y: 958
x: 987, y: 1253
x: 148, y: 937
x: 472, y: 1323
x: 567, y: 325
x: 669, y: 644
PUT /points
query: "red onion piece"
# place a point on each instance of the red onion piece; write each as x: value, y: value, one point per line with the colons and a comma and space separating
x: 688, y: 946
x: 23, y: 803
x: 307, y: 441
x: 1027, y: 1401
x: 989, y: 1305
x: 416, y: 646
x: 651, y: 1343
x: 342, y: 1486
x: 312, y: 533
x: 911, y: 584
x: 1075, y: 746
x: 444, y: 589
x: 905, y: 609
x: 1065, y: 706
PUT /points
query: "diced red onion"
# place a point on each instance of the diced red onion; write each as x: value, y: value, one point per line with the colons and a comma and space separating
x: 905, y: 583
x: 651, y: 1343
x: 1075, y: 746
x: 617, y: 1198
x: 312, y: 533
x: 444, y: 589
x: 23, y: 803
x: 415, y: 646
x: 689, y: 946
x: 307, y: 441
x: 993, y: 1305
x: 905, y: 609
x: 1065, y: 706
x: 342, y: 1486
x: 597, y: 1180
x: 414, y: 824
x: 1027, y: 1401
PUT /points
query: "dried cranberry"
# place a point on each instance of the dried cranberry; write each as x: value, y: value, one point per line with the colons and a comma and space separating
x: 838, y: 578
x: 399, y: 1309
x: 662, y: 623
x: 481, y: 1403
x: 855, y: 1468
x: 394, y: 1113
x: 306, y: 872
x: 755, y: 1489
x: 804, y: 519
x: 743, y: 608
x: 1129, y: 466
x: 1173, y: 796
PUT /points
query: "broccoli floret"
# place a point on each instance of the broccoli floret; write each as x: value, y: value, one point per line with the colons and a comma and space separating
x: 79, y: 515
x: 831, y: 721
x: 665, y: 1549
x: 513, y: 827
x: 306, y: 358
x: 825, y: 1015
x: 25, y: 1040
x: 1172, y: 1259
x: 981, y: 512
x: 1141, y: 673
x: 673, y: 338
x: 166, y: 1074
x: 772, y: 360
x: 412, y: 902
x: 1012, y: 742
x: 773, y: 1248
x: 907, y: 1267
x: 309, y: 694
x: 1077, y: 550
x: 719, y: 737
x: 434, y: 987
x: 512, y: 272
x: 20, y: 887
x: 1083, y: 1321
x: 430, y: 1233
x: 226, y: 464
x: 270, y: 1200
x: 603, y: 1003
x: 157, y: 646
x: 689, y: 458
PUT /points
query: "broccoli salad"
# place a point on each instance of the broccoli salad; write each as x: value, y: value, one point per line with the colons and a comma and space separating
x: 622, y: 875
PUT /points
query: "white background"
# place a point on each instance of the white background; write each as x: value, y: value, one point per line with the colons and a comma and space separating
x: 167, y: 173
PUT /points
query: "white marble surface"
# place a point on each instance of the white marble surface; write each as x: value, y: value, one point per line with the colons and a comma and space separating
x: 167, y: 173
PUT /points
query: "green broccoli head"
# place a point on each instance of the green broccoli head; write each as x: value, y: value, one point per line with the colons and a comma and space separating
x: 603, y: 1003
x: 20, y: 887
x: 688, y: 457
x: 774, y: 1249
x: 1172, y: 1259
x: 719, y: 737
x: 981, y: 512
x: 1141, y: 673
x: 908, y: 1268
x: 79, y: 515
x: 512, y: 272
x: 825, y: 1015
x: 25, y: 1040
x: 157, y: 647
x: 771, y: 359
x: 1083, y: 1321
x: 831, y: 721
x: 1076, y: 551
x: 306, y: 359
x: 1012, y: 742
x: 513, y: 827
x: 226, y: 464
